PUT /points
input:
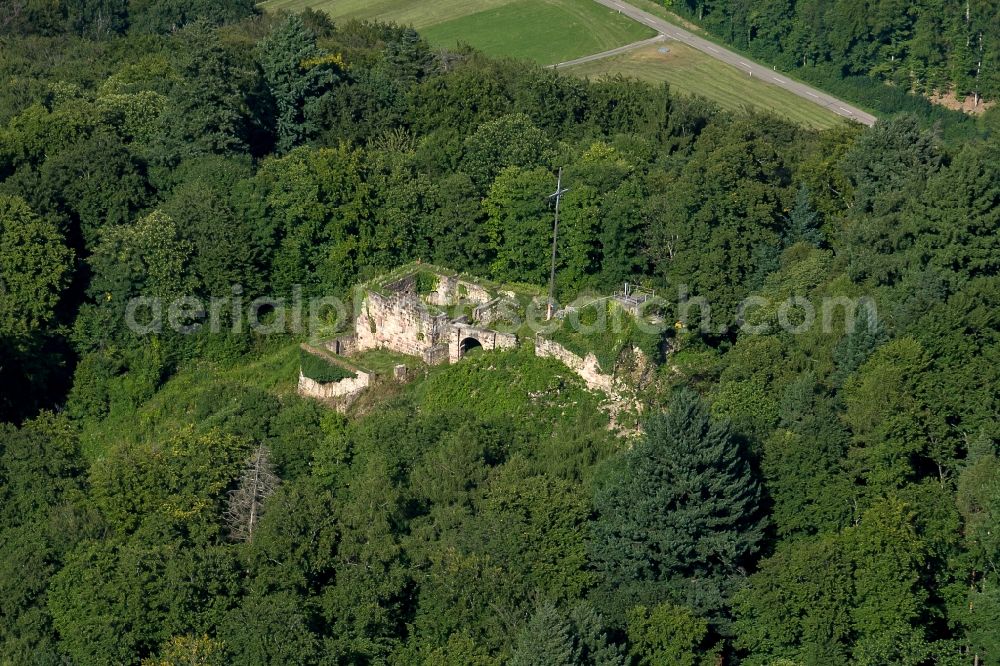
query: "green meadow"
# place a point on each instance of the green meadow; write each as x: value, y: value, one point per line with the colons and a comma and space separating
x: 546, y: 31
x: 553, y: 31
x: 692, y: 72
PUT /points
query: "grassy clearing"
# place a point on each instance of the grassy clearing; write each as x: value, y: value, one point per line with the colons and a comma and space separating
x: 383, y: 362
x: 511, y: 386
x: 320, y: 369
x: 419, y: 14
x: 546, y: 31
x: 691, y: 72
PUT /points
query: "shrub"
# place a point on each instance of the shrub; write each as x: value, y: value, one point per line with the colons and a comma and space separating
x: 426, y: 282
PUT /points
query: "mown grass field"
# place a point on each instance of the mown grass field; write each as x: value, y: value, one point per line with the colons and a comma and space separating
x: 552, y: 31
x: 418, y: 13
x: 691, y: 72
x: 546, y: 31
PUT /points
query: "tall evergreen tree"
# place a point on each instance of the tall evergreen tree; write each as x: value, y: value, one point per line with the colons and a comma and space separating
x: 889, y: 164
x: 409, y: 56
x: 678, y: 516
x: 298, y: 74
x: 545, y: 640
x: 551, y: 637
x: 855, y: 348
x: 803, y: 223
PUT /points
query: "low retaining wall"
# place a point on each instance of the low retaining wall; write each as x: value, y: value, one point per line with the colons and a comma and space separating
x: 343, y: 392
x: 588, y: 369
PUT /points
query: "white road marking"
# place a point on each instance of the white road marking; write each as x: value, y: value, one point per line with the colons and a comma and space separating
x: 812, y: 94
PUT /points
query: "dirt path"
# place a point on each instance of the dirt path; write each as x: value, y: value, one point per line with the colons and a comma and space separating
x: 612, y: 52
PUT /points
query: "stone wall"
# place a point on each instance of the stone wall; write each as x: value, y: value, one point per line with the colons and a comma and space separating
x: 470, y: 291
x: 405, y: 284
x: 441, y: 296
x: 436, y: 355
x: 402, y: 323
x: 491, y: 311
x: 399, y: 322
x: 588, y: 369
x: 487, y: 338
x: 345, y: 345
x: 452, y: 290
x: 341, y: 393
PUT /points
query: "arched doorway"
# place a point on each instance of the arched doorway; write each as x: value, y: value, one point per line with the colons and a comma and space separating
x: 467, y: 345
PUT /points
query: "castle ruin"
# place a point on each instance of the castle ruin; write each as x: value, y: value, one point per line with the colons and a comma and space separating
x: 429, y: 313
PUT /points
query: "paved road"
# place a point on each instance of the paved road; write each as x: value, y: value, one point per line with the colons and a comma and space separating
x: 613, y: 52
x: 752, y: 69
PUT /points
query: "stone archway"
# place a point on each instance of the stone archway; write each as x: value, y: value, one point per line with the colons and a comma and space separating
x: 467, y: 345
x: 466, y: 338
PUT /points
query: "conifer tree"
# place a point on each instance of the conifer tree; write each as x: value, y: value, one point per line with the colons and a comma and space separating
x: 864, y: 338
x: 678, y: 517
x: 207, y: 111
x: 409, y: 56
x: 552, y: 637
x: 545, y: 640
x: 298, y: 74
x: 803, y: 223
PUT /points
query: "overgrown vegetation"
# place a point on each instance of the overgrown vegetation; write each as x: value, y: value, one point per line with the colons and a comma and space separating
x: 602, y: 327
x: 426, y: 282
x: 821, y: 497
x: 320, y: 369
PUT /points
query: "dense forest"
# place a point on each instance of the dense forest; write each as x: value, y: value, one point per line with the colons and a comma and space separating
x: 929, y: 46
x: 809, y: 498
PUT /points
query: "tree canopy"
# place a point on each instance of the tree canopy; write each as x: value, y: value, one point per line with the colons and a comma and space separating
x: 765, y: 486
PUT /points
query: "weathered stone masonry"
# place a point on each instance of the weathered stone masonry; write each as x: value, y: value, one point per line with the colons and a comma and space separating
x: 392, y: 315
x: 348, y: 388
x: 587, y: 367
x: 339, y: 394
x: 398, y: 319
x: 400, y: 322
